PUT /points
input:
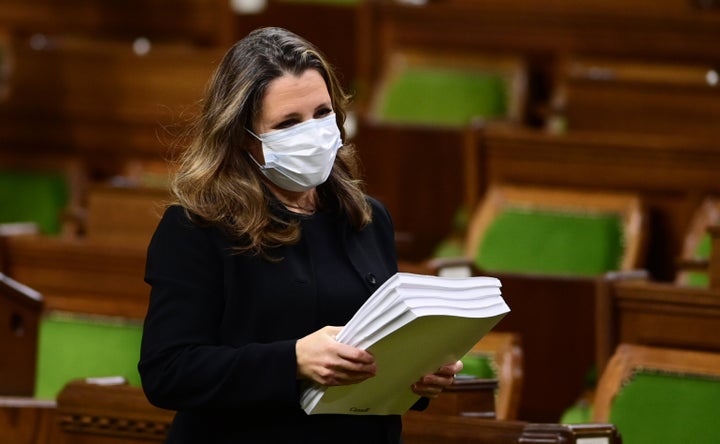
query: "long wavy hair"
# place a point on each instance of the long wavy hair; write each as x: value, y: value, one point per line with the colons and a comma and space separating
x: 217, y: 183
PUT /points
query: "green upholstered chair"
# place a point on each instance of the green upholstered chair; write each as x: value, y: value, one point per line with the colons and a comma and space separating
x: 697, y: 245
x: 34, y: 196
x: 498, y: 355
x: 44, y: 191
x: 555, y: 231
x: 449, y: 89
x: 75, y: 346
x: 662, y: 395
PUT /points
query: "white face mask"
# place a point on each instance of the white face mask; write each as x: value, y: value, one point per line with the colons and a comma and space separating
x: 300, y: 157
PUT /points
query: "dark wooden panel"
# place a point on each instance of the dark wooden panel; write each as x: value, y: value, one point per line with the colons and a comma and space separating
x: 20, y: 309
x: 417, y: 172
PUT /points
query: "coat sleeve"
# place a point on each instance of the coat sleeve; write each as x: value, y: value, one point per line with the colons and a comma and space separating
x: 183, y: 364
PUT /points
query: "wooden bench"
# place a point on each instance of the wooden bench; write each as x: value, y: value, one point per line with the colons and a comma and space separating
x: 101, y: 271
x: 672, y: 31
x: 121, y: 415
x: 656, y: 314
x: 671, y: 175
x: 660, y: 394
x: 637, y: 96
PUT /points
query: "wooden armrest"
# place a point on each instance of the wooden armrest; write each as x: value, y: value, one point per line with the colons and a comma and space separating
x: 693, y: 264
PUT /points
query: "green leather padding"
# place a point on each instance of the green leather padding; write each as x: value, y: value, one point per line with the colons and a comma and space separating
x: 73, y: 347
x: 699, y: 278
x: 33, y: 197
x: 552, y: 243
x: 479, y: 366
x: 580, y: 413
x: 669, y: 409
x: 441, y: 96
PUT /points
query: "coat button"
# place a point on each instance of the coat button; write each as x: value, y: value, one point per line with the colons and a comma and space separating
x: 371, y: 278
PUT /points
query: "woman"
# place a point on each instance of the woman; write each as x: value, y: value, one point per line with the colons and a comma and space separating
x: 271, y: 246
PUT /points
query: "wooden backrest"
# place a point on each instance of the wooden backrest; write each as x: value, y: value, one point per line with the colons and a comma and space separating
x: 80, y: 276
x: 633, y: 309
x: 20, y: 310
x: 696, y: 248
x: 655, y: 394
x: 636, y: 96
x: 503, y: 352
x: 614, y: 211
x: 124, y: 214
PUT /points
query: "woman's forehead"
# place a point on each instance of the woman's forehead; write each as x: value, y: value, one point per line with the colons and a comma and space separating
x: 295, y: 94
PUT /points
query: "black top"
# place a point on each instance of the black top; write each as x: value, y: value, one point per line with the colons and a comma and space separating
x: 220, y: 332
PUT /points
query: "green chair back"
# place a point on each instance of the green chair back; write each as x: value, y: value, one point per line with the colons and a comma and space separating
x: 74, y: 347
x: 443, y: 96
x: 479, y: 366
x: 668, y: 408
x: 549, y: 242
x: 38, y: 197
x: 699, y: 278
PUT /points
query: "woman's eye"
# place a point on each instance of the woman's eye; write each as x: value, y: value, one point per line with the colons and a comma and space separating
x: 286, y: 124
x: 322, y: 112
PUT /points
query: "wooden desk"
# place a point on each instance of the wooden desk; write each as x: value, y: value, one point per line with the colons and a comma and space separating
x: 81, y: 276
x: 466, y: 397
x: 25, y: 420
x: 656, y: 314
x: 422, y: 428
x: 115, y: 414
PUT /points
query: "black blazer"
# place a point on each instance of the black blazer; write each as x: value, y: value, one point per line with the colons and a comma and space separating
x: 219, y: 337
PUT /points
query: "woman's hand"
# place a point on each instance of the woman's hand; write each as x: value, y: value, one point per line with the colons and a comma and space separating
x: 430, y: 386
x: 324, y: 360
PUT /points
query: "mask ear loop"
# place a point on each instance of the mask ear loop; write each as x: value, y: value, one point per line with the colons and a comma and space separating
x: 248, y: 152
x: 253, y: 134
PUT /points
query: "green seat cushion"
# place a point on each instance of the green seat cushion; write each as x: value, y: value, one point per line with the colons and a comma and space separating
x: 479, y: 366
x: 698, y: 278
x: 73, y: 347
x: 669, y: 409
x: 580, y: 413
x: 439, y: 96
x: 547, y: 242
x: 33, y: 197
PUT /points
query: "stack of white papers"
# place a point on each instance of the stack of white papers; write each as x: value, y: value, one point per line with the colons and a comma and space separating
x: 413, y: 324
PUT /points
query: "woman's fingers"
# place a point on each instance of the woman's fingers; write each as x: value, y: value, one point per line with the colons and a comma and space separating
x: 431, y: 385
x: 324, y: 360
